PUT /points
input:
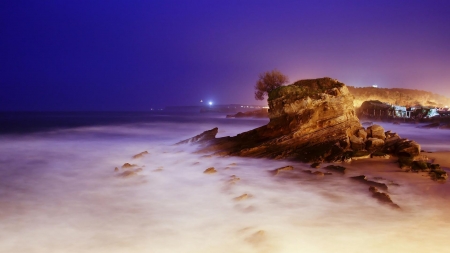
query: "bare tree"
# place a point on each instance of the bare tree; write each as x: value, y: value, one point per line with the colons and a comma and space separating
x: 269, y: 81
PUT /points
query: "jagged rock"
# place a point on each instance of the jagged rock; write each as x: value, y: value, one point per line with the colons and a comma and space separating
x: 336, y: 168
x: 363, y: 179
x: 210, y: 170
x: 310, y: 120
x: 382, y: 197
x: 201, y: 138
x: 376, y: 131
x: 284, y: 168
x: 140, y: 155
x: 374, y: 144
x: 357, y: 143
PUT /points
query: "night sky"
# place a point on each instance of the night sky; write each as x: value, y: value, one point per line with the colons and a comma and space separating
x: 136, y: 55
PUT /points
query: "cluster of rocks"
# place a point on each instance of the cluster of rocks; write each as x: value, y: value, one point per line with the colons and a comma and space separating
x: 435, y: 171
x: 129, y: 169
x: 375, y: 142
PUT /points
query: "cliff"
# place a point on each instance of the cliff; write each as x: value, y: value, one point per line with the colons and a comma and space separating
x: 397, y: 96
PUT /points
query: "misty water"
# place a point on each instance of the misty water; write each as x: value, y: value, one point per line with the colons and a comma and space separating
x: 59, y: 192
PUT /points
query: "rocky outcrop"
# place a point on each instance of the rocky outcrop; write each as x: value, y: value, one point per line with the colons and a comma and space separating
x: 310, y: 120
x: 203, y: 137
x: 261, y: 113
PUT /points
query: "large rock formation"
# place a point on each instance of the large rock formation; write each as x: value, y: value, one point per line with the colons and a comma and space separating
x: 310, y: 120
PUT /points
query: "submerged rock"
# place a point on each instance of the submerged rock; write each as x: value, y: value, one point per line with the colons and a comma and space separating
x: 363, y: 179
x: 140, y: 155
x: 128, y: 166
x: 382, y: 197
x: 336, y: 168
x: 285, y: 168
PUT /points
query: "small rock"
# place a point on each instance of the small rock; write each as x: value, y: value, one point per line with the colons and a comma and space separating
x: 234, y: 179
x: 315, y: 165
x: 116, y: 169
x: 318, y: 173
x: 363, y: 179
x: 128, y: 173
x: 140, y: 155
x: 382, y: 197
x: 242, y: 197
x: 210, y: 170
x: 285, y: 168
x: 128, y: 165
x: 336, y: 168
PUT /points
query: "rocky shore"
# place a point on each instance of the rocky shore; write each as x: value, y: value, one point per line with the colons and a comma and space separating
x: 314, y: 121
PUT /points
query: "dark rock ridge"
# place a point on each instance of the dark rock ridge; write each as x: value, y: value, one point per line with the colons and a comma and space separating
x: 312, y: 121
x: 261, y: 113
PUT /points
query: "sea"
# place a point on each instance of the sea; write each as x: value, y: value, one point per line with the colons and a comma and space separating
x: 63, y: 188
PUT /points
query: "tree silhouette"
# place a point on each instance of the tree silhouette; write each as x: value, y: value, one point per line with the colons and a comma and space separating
x: 269, y: 81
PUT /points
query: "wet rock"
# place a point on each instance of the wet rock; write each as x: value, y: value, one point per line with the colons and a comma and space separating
x: 242, y: 197
x: 128, y: 166
x: 438, y: 175
x: 233, y: 179
x: 362, y: 154
x: 201, y: 138
x: 376, y: 131
x: 407, y: 148
x: 116, y: 169
x: 382, y: 197
x: 379, y: 154
x: 140, y: 155
x: 374, y: 144
x: 336, y: 168
x: 362, y: 134
x: 357, y: 143
x: 210, y: 170
x: 318, y: 173
x: 363, y: 179
x: 128, y: 173
x: 315, y: 165
x: 284, y: 168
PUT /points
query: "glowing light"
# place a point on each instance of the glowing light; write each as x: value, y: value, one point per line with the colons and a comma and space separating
x: 210, y: 103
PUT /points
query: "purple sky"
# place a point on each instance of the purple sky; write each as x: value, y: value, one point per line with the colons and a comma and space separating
x: 137, y: 55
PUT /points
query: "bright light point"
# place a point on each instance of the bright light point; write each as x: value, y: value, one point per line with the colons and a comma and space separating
x: 210, y: 103
x: 201, y: 101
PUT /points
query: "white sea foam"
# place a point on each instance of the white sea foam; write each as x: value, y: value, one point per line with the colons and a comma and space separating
x: 59, y: 193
